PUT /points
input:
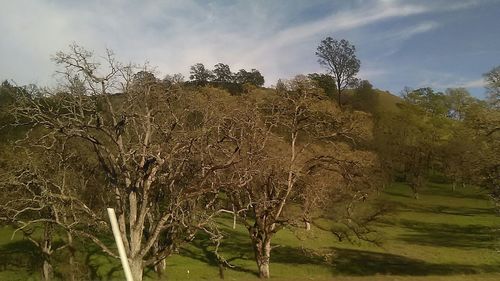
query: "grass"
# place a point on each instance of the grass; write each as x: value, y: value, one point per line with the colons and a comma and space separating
x: 445, y: 235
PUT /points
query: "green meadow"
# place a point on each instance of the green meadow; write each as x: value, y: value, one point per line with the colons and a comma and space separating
x: 445, y: 235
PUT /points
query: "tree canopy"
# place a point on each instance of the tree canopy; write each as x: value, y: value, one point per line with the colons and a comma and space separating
x: 339, y: 58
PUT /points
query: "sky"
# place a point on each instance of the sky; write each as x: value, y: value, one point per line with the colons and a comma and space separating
x: 401, y: 43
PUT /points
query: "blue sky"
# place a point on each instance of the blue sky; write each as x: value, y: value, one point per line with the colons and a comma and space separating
x: 435, y: 43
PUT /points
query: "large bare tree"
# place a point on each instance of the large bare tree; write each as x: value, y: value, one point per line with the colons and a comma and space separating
x: 155, y: 153
x: 295, y: 152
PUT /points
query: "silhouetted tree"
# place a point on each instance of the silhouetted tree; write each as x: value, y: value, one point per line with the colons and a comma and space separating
x: 340, y: 59
x: 253, y: 77
x: 200, y: 75
x: 325, y: 82
x: 492, y: 78
x: 222, y: 73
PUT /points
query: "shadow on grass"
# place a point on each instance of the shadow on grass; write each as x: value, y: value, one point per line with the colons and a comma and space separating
x: 447, y: 210
x: 419, y: 206
x: 357, y: 262
x: 20, y: 255
x: 439, y: 190
x: 237, y: 244
x: 399, y: 194
x: 97, y: 265
x: 448, y: 235
x: 365, y: 263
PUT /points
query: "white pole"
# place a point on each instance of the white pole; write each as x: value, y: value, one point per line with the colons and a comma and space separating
x: 119, y: 244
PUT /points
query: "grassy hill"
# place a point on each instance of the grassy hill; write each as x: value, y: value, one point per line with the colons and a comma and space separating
x: 443, y: 236
x: 387, y: 102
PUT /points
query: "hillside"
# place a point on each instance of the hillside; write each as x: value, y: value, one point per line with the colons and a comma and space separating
x: 387, y: 102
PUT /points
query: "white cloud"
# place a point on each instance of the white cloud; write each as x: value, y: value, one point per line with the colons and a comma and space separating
x: 411, y: 31
x: 478, y: 83
x: 446, y: 80
x: 175, y: 34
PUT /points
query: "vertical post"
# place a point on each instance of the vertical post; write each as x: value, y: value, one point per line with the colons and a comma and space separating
x: 119, y: 244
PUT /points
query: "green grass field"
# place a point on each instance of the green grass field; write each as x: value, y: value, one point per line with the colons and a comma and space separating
x: 443, y: 236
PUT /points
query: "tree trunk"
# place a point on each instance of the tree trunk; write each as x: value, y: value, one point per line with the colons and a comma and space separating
x: 415, y: 195
x: 47, y: 270
x: 71, y: 261
x: 264, y: 259
x: 136, y: 268
x: 262, y: 251
x: 160, y: 268
x: 339, y: 92
x: 454, y: 186
x: 221, y: 270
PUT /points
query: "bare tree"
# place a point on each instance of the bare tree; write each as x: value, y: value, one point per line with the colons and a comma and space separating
x: 37, y: 191
x: 286, y: 145
x: 340, y: 59
x: 158, y: 154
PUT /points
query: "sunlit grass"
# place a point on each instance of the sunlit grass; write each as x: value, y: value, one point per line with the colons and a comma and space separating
x: 444, y: 235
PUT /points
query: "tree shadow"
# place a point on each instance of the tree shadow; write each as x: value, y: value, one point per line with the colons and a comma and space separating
x: 237, y: 244
x: 432, y: 189
x: 399, y: 194
x: 97, y: 265
x: 420, y: 207
x: 300, y: 256
x: 448, y: 235
x: 461, y: 211
x: 20, y: 255
x: 460, y: 192
x: 364, y: 263
x: 446, y: 210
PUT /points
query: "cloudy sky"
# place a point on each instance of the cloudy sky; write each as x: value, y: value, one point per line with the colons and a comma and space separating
x: 436, y: 43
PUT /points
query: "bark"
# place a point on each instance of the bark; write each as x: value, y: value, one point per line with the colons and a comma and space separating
x: 160, y: 268
x: 262, y: 251
x: 71, y: 261
x: 47, y: 270
x: 416, y: 184
x: 339, y: 91
x: 136, y: 268
x: 221, y: 270
x: 262, y: 257
x: 414, y: 189
x: 415, y: 195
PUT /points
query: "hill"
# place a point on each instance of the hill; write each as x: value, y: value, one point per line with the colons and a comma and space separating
x: 387, y: 102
